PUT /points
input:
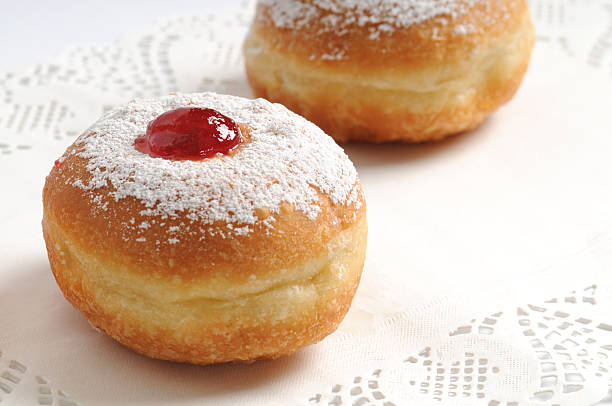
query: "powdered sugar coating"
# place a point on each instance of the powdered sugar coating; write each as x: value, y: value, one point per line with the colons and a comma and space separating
x: 287, y: 159
x: 377, y: 18
x: 381, y: 15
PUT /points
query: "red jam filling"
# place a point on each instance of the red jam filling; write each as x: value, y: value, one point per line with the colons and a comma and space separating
x: 58, y: 163
x: 189, y: 133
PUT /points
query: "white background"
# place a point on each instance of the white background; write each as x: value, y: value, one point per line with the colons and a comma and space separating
x: 33, y: 31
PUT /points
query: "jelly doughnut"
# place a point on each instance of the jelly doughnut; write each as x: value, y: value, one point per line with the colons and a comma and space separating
x: 389, y: 70
x: 205, y: 228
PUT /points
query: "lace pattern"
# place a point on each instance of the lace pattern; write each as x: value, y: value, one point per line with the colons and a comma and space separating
x: 554, y: 353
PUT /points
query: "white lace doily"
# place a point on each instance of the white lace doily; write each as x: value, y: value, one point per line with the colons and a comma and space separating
x: 488, y: 279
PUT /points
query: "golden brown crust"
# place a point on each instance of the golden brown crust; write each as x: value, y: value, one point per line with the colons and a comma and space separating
x: 416, y: 83
x: 347, y: 118
x: 417, y: 45
x: 103, y: 232
x: 150, y: 319
x: 212, y: 295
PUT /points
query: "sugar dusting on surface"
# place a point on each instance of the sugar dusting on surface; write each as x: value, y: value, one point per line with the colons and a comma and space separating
x: 381, y: 15
x: 287, y: 159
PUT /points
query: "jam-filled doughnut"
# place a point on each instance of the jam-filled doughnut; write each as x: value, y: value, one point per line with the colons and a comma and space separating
x: 206, y: 228
x: 389, y: 70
